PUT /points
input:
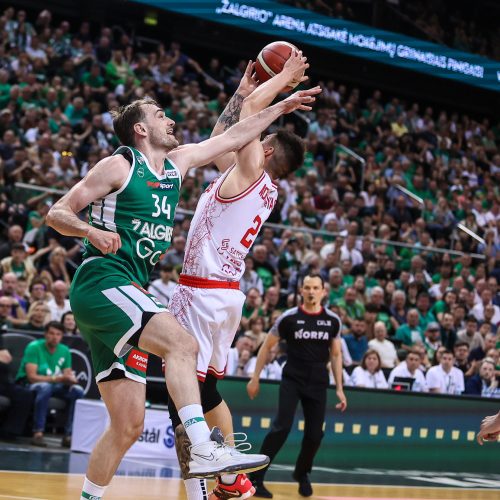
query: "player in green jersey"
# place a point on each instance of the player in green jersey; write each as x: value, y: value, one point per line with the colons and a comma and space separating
x: 132, y: 197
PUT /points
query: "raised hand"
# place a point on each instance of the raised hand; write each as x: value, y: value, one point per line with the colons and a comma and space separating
x: 301, y: 100
x: 295, y: 67
x: 248, y: 81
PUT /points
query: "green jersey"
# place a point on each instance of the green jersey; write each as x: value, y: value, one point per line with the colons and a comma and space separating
x: 47, y: 363
x: 142, y: 212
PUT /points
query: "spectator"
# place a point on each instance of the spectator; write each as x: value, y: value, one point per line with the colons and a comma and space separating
x: 251, y: 307
x: 256, y: 330
x: 250, y: 278
x: 38, y: 291
x: 486, y: 299
x: 56, y: 268
x: 432, y: 339
x: 163, y: 287
x: 385, y: 348
x: 484, y: 383
x: 424, y: 310
x: 21, y: 399
x: 448, y: 331
x: 38, y: 316
x: 369, y: 374
x: 479, y: 353
x: 18, y: 304
x: 272, y: 369
x: 175, y: 255
x: 59, y: 304
x: 19, y: 263
x: 398, y: 309
x: 411, y: 332
x: 239, y: 356
x: 356, y: 341
x: 461, y: 351
x: 445, y: 378
x: 470, y: 334
x: 14, y: 235
x: 410, y: 368
x: 5, y: 309
x: 353, y: 308
x: 69, y: 324
x: 46, y: 370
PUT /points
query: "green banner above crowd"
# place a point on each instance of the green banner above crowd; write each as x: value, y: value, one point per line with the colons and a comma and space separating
x: 355, y: 39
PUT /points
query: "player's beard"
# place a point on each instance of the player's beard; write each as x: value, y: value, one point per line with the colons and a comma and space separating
x: 163, y: 140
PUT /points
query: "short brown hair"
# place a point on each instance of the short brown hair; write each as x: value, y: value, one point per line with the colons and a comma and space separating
x: 125, y: 117
x: 290, y: 148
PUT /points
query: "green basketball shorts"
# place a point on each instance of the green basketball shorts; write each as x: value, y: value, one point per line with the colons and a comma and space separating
x: 109, y: 309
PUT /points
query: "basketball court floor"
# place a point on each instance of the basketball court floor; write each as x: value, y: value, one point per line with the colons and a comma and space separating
x: 29, y: 473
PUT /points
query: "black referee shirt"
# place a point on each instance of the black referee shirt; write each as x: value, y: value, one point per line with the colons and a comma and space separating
x: 308, y: 336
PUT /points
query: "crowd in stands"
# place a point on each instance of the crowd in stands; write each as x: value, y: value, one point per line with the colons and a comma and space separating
x: 460, y: 26
x: 415, y: 314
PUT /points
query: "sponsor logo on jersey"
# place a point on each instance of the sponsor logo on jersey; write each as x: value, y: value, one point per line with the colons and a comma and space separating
x: 137, y: 360
x: 140, y: 160
x: 159, y: 185
x: 324, y: 322
x: 300, y: 321
x: 310, y: 335
x: 171, y: 174
x: 140, y: 172
x: 159, y: 232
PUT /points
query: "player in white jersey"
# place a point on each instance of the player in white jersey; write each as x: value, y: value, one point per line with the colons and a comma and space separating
x: 227, y: 220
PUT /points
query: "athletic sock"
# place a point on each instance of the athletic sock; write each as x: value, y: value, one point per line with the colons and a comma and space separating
x: 196, y: 489
x: 91, y: 491
x: 196, y: 428
x: 228, y: 478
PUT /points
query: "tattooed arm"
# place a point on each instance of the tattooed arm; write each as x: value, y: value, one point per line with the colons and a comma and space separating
x: 231, y: 114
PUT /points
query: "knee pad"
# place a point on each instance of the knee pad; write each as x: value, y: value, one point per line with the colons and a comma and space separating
x: 210, y: 397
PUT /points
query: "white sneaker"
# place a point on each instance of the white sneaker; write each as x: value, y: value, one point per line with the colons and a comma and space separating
x: 213, y: 458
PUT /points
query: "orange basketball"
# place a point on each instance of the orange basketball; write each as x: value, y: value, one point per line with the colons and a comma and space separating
x: 271, y: 60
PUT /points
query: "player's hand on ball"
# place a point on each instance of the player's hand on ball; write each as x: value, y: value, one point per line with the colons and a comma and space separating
x: 105, y: 241
x: 295, y: 67
x: 343, y: 401
x: 301, y: 100
x: 253, y: 388
x: 249, y: 80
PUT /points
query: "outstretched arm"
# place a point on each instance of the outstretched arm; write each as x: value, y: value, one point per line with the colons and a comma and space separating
x: 195, y: 155
x: 231, y: 113
x: 254, y: 385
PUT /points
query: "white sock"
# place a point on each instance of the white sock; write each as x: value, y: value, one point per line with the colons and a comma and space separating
x: 196, y: 428
x: 228, y: 478
x: 91, y: 490
x: 196, y: 489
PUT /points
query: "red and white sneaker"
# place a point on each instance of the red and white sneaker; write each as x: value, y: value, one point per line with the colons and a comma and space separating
x: 241, y: 488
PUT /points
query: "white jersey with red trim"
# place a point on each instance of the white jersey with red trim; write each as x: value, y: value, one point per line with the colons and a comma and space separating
x: 224, y: 229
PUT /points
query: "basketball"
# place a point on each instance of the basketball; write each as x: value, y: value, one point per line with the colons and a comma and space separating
x: 271, y: 60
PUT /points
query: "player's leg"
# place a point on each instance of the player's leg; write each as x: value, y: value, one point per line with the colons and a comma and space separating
x: 166, y: 338
x: 125, y: 402
x: 314, y: 406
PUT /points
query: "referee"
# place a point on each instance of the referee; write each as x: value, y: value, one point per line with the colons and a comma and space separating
x: 313, y: 338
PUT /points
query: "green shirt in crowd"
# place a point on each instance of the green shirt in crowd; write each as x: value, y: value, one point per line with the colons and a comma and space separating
x: 47, y: 363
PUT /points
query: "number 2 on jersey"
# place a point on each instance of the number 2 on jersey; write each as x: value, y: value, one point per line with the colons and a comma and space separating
x: 164, y: 208
x: 247, y: 239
